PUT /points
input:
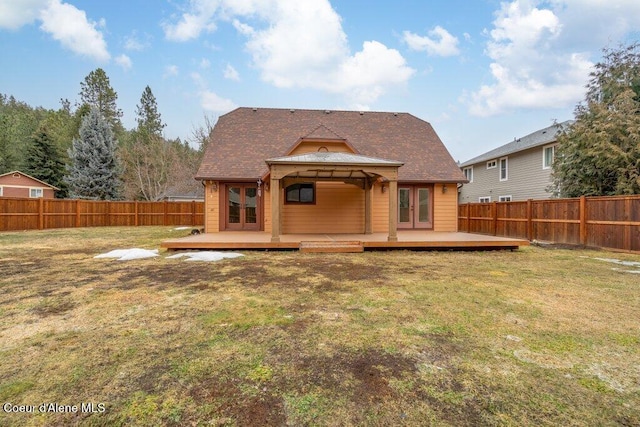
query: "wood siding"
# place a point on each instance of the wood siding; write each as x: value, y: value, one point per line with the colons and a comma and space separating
x: 339, y: 208
x: 445, y: 208
x: 212, y: 207
x: 21, y: 185
x: 526, y: 179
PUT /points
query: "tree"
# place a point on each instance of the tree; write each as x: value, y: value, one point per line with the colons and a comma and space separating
x: 44, y: 161
x: 149, y: 121
x: 93, y: 173
x: 600, y: 153
x: 96, y: 91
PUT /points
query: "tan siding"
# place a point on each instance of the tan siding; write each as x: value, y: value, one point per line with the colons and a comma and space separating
x: 445, y: 208
x: 380, y: 212
x: 212, y: 208
x: 313, y: 146
x: 339, y: 208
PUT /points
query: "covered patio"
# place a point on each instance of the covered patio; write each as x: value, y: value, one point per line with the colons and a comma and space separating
x: 406, y: 239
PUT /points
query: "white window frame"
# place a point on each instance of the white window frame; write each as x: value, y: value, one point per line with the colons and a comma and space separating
x: 484, y: 199
x: 469, y: 175
x: 544, y: 157
x: 39, y: 193
x: 1, y: 190
x: 506, y: 169
x: 492, y: 164
x: 508, y: 198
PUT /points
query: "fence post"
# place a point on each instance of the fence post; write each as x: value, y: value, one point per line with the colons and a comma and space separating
x: 77, y: 213
x: 468, y: 218
x: 41, y: 213
x: 494, y: 206
x: 136, y: 222
x: 626, y: 241
x: 166, y: 213
x: 108, y: 215
x: 530, y: 220
x: 193, y: 213
x: 583, y: 220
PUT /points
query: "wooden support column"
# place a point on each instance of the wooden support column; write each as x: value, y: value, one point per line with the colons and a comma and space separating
x: 393, y: 211
x: 583, y: 220
x: 368, y: 206
x: 275, y: 209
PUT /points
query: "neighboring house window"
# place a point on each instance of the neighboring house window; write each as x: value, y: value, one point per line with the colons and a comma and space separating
x: 486, y: 199
x: 35, y: 192
x: 301, y: 193
x: 504, y: 169
x: 1, y: 191
x: 468, y: 173
x: 548, y: 155
x: 505, y: 198
x: 492, y: 164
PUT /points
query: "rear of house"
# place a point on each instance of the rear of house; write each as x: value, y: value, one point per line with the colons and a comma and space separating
x: 318, y: 171
x: 18, y: 184
x: 519, y: 170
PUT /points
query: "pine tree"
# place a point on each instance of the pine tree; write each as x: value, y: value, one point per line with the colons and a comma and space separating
x: 96, y: 91
x: 599, y: 154
x: 44, y: 161
x: 149, y: 121
x: 93, y: 173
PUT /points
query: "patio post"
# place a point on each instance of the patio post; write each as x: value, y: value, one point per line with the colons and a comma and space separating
x: 368, y: 202
x: 393, y: 211
x: 275, y: 209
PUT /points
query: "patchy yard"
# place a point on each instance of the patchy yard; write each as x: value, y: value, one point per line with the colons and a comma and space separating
x: 533, y: 337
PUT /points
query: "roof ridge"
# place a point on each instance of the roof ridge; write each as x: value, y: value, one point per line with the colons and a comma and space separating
x: 322, y: 125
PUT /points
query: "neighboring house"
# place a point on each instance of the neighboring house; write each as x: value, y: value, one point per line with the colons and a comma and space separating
x: 318, y: 171
x: 18, y: 184
x: 519, y: 170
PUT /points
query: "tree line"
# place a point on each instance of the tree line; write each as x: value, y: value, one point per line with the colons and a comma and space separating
x: 85, y: 151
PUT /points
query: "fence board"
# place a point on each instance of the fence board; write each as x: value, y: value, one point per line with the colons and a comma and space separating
x: 32, y: 214
x: 607, y: 222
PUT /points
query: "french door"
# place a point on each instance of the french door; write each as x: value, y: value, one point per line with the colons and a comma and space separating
x: 241, y: 207
x: 415, y: 206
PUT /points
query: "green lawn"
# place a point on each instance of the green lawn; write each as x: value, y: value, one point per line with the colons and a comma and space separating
x: 532, y: 337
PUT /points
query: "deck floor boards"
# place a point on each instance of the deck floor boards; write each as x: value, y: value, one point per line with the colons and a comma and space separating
x: 407, y: 239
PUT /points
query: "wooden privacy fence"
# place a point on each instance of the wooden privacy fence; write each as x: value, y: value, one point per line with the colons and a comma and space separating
x: 39, y: 214
x: 606, y: 222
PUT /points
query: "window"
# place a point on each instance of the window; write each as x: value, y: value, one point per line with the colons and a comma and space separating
x: 504, y: 169
x: 492, y: 164
x: 468, y: 173
x: 486, y: 199
x: 301, y: 193
x: 1, y: 191
x: 35, y: 192
x: 504, y: 198
x: 548, y: 155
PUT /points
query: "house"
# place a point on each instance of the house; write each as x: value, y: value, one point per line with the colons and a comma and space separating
x: 519, y: 170
x: 286, y: 171
x: 18, y: 184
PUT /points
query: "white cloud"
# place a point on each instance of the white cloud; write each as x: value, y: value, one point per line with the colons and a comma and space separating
x: 541, y: 51
x: 73, y: 30
x: 438, y: 42
x: 15, y: 14
x: 299, y: 44
x: 171, y: 71
x: 133, y: 43
x: 205, y: 63
x: 214, y: 103
x: 124, y: 61
x: 231, y: 73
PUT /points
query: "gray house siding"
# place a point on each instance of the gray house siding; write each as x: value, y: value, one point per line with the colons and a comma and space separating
x: 526, y: 178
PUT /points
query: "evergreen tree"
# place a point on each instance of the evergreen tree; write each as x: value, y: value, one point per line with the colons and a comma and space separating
x: 149, y: 121
x: 96, y: 91
x: 599, y: 154
x: 44, y: 161
x: 93, y: 173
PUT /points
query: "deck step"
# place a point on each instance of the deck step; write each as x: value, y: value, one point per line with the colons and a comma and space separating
x: 331, y: 247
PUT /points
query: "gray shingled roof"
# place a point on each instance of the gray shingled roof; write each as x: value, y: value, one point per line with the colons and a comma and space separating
x: 535, y: 139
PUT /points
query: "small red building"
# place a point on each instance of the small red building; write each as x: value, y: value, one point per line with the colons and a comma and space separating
x: 18, y: 184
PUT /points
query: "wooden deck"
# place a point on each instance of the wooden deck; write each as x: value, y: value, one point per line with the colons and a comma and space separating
x: 412, y: 240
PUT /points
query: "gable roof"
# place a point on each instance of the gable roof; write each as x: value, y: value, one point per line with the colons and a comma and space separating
x: 29, y: 177
x: 535, y: 139
x: 243, y: 139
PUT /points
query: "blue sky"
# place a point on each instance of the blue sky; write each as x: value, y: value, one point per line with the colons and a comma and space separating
x: 480, y: 71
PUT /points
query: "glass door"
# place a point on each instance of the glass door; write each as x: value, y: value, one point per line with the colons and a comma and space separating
x: 414, y: 207
x: 242, y: 207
